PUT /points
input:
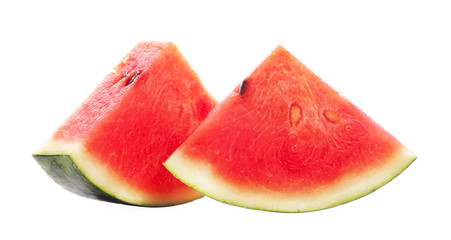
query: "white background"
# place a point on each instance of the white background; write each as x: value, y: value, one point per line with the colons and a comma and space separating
x: 391, y: 58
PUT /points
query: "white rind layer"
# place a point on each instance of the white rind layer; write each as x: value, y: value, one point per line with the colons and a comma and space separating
x: 202, y: 178
x: 104, y: 178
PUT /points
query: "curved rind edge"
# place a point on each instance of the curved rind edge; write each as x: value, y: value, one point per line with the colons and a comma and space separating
x: 64, y: 172
x: 70, y: 166
x: 200, y: 177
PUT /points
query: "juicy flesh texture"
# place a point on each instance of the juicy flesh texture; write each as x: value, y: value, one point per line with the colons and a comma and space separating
x: 139, y: 115
x: 287, y: 131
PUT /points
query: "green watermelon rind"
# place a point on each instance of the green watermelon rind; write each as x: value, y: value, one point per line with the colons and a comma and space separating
x: 70, y: 166
x: 62, y: 169
x: 202, y: 178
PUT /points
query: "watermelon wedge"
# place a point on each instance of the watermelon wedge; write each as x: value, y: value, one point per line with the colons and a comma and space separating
x: 112, y: 148
x: 286, y: 141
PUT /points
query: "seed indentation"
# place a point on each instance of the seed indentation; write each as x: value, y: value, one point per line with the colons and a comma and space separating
x: 295, y: 114
x: 331, y: 116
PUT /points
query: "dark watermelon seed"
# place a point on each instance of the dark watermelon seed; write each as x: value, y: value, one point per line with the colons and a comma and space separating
x: 133, y: 78
x: 243, y: 86
x: 125, y: 75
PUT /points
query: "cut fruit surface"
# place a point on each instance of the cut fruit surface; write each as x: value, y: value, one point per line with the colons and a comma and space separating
x: 286, y: 141
x: 114, y: 144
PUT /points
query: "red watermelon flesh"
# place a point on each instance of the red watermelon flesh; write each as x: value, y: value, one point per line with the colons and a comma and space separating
x: 133, y: 121
x: 286, y: 141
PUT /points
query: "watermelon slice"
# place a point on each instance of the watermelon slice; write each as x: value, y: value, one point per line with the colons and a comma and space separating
x: 286, y: 141
x: 112, y: 148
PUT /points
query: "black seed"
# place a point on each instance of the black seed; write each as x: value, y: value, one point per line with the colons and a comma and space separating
x: 133, y: 78
x: 243, y: 86
x: 125, y: 75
